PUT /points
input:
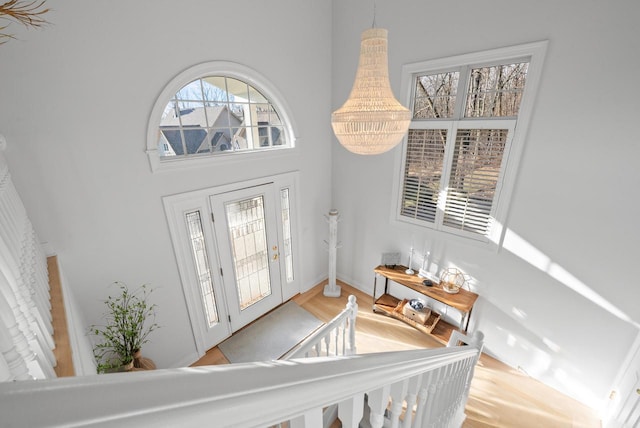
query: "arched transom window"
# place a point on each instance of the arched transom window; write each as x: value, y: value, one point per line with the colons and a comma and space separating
x: 217, y: 109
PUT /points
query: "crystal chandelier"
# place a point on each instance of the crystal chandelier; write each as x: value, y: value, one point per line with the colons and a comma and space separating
x: 371, y: 121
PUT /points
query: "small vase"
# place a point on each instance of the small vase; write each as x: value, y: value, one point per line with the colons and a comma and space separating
x: 142, y: 363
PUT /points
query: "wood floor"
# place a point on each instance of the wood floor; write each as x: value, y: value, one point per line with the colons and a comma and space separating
x: 500, y: 396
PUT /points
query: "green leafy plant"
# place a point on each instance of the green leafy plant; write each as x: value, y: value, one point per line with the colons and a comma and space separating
x: 27, y: 13
x: 129, y: 320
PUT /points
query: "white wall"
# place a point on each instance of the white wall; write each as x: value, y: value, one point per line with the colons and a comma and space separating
x: 76, y: 98
x: 562, y: 301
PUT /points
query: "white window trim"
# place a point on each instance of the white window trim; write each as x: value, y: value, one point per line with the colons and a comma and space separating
x: 229, y: 69
x: 535, y: 53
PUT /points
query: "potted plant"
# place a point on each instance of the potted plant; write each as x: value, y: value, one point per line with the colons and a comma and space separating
x: 129, y: 319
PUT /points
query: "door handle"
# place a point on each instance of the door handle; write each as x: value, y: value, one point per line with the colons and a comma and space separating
x: 275, y: 253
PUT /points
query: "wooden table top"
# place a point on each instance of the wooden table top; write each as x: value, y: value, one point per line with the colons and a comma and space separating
x: 462, y: 301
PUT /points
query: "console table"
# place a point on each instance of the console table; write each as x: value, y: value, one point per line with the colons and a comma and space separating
x: 387, y: 304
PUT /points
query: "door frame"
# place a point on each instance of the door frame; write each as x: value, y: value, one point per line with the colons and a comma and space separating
x: 177, y: 205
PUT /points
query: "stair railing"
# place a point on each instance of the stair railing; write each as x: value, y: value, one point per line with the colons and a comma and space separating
x: 420, y: 387
x: 26, y: 332
x: 335, y: 338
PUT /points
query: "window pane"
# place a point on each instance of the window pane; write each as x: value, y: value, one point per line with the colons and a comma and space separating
x: 248, y: 238
x: 496, y: 91
x: 214, y: 90
x: 238, y: 90
x: 217, y: 114
x: 170, y: 142
x: 199, y: 252
x: 474, y: 176
x: 423, y: 170
x: 435, y: 95
x: 286, y: 233
x: 190, y: 92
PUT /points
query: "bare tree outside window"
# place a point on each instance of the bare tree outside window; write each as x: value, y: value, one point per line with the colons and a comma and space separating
x: 496, y: 91
x: 462, y: 166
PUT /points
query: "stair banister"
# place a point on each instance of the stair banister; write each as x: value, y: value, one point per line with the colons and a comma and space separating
x: 240, y: 395
x: 343, y: 326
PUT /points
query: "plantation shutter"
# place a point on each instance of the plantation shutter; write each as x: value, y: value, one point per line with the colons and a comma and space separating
x: 475, y: 170
x: 423, y: 172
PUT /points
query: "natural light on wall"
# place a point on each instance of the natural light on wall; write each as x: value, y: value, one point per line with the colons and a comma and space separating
x: 371, y: 121
x: 527, y: 252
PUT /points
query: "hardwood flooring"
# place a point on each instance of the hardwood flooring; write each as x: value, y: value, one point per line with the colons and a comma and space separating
x: 62, y: 351
x: 500, y: 395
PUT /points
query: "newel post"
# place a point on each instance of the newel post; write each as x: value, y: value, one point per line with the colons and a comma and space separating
x: 352, y: 306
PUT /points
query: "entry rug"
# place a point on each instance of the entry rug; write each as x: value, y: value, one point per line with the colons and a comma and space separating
x: 271, y: 336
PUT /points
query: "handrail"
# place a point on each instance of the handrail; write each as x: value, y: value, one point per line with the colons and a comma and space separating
x: 343, y: 329
x: 243, y: 395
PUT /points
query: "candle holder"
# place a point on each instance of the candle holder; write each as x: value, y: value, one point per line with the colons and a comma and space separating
x: 410, y: 271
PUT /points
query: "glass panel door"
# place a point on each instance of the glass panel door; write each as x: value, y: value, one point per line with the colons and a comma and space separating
x: 248, y: 236
x: 246, y: 230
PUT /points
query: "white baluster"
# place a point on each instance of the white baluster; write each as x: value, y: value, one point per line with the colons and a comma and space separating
x: 398, y: 392
x: 350, y: 411
x: 14, y: 346
x: 431, y: 405
x: 412, y: 394
x: 327, y: 342
x: 421, y: 399
x: 310, y: 419
x: 353, y: 308
x: 344, y: 336
x: 5, y: 372
x: 33, y: 347
x: 378, y: 400
x: 31, y: 326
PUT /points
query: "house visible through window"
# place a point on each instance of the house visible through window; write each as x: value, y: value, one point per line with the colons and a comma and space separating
x: 458, y: 147
x: 218, y: 114
x: 213, y: 109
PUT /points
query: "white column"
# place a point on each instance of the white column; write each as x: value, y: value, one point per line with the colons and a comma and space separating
x: 332, y: 289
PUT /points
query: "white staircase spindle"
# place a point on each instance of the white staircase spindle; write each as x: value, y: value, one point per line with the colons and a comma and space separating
x: 412, y: 394
x: 378, y: 401
x: 310, y: 419
x: 440, y: 400
x: 350, y: 411
x: 344, y: 336
x: 421, y: 399
x: 398, y: 392
x: 352, y: 307
x: 14, y: 347
x: 30, y: 326
x: 5, y: 372
x: 431, y: 405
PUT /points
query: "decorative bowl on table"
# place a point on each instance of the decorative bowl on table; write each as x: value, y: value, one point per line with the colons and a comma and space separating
x: 417, y: 304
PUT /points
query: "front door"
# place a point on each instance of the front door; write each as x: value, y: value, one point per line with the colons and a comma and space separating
x: 246, y: 230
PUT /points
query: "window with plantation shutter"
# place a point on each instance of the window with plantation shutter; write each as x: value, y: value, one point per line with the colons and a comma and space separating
x: 475, y: 169
x: 423, y: 172
x: 459, y: 152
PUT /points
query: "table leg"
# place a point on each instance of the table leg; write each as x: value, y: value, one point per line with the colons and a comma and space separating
x: 467, y: 318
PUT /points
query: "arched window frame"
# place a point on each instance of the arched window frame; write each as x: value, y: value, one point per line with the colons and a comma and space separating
x: 217, y: 68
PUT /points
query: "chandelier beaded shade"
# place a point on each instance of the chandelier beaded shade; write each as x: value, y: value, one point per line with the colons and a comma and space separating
x: 371, y: 121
